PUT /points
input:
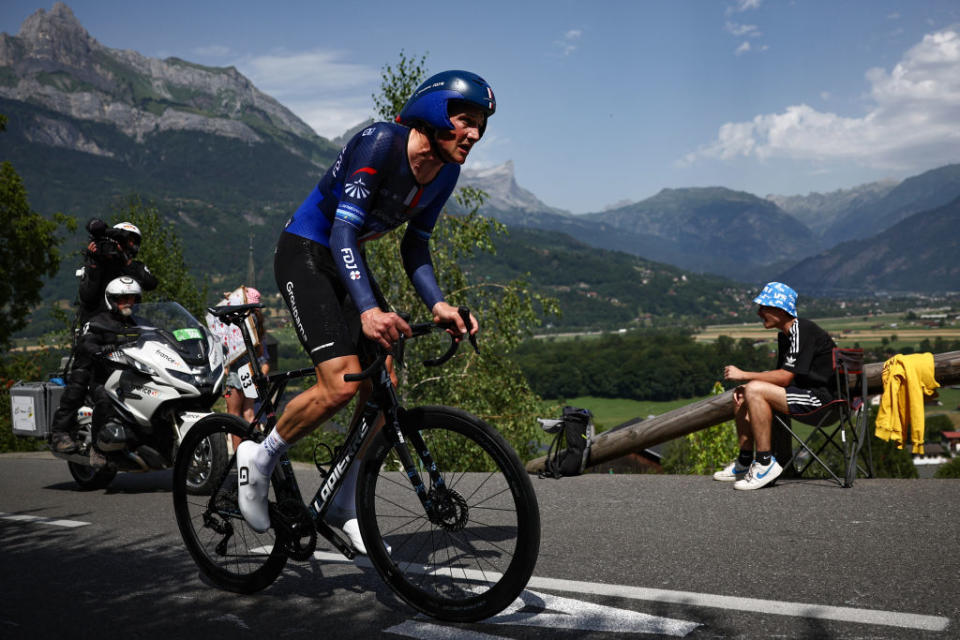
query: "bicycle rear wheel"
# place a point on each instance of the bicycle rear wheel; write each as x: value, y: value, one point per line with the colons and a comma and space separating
x: 231, y: 554
x: 474, y: 554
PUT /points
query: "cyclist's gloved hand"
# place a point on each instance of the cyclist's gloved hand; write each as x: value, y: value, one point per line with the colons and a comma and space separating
x: 383, y: 327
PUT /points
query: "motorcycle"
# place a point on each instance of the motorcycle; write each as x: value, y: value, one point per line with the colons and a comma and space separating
x: 159, y: 383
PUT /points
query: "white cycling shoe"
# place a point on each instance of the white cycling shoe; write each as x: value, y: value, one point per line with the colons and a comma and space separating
x: 252, y: 488
x: 351, y: 527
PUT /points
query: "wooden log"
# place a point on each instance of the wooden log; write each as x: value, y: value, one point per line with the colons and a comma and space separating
x: 637, y: 436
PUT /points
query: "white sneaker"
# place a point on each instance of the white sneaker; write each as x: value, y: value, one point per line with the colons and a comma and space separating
x: 253, y: 488
x: 731, y: 473
x: 759, y: 475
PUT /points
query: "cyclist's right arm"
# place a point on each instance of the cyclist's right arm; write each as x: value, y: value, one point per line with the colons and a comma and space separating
x: 362, y: 176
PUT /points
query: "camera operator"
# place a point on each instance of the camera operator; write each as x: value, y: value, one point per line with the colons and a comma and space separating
x: 110, y: 255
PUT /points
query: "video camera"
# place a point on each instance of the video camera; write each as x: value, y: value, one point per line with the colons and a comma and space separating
x: 107, y: 240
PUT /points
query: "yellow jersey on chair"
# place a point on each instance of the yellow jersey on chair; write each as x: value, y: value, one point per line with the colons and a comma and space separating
x: 907, y: 380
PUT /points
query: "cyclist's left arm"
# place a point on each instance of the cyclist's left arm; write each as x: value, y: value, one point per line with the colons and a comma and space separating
x: 415, y: 246
x: 415, y: 252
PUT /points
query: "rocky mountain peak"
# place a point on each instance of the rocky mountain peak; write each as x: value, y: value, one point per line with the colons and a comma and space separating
x: 500, y: 173
x: 56, y: 35
x: 54, y: 63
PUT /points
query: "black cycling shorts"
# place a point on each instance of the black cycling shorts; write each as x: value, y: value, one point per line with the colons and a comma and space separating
x: 324, y: 315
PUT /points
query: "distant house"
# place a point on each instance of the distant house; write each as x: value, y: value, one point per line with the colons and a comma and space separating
x: 933, y: 453
x: 951, y: 441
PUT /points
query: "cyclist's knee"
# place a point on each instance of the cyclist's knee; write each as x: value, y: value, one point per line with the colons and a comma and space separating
x: 341, y: 393
x: 330, y: 396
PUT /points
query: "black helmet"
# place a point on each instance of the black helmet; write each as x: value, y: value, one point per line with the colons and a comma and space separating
x: 429, y: 102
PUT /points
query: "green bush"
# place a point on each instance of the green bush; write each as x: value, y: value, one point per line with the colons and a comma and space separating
x: 949, y: 470
x: 891, y: 462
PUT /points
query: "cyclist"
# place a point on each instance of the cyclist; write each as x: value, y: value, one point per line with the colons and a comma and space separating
x: 387, y: 174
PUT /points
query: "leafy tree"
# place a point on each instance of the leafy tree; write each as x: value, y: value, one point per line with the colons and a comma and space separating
x: 162, y: 251
x: 487, y: 384
x: 397, y: 84
x: 935, y: 425
x: 29, y: 252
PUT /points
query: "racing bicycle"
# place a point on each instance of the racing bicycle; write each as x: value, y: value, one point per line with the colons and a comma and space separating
x: 445, y: 508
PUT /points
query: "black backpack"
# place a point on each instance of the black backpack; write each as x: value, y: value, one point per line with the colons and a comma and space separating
x: 570, y: 449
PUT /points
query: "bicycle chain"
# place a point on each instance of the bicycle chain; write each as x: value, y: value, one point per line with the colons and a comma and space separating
x: 299, y: 534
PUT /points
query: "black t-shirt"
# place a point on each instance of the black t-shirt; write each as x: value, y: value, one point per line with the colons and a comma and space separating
x: 806, y: 351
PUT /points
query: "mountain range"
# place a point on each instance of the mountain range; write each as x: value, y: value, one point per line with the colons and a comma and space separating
x: 89, y: 124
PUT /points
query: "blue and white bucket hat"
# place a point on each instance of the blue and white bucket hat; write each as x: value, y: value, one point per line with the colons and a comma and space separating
x: 779, y: 295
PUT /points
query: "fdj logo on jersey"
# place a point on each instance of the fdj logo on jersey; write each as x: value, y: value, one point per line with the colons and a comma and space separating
x: 357, y: 189
x: 350, y: 262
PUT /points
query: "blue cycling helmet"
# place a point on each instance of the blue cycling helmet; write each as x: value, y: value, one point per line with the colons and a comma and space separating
x: 428, y: 104
x: 779, y: 295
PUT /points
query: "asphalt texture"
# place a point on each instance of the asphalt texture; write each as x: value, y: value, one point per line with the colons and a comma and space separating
x: 614, y: 547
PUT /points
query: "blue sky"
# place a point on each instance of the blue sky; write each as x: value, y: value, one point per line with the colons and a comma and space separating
x: 601, y: 102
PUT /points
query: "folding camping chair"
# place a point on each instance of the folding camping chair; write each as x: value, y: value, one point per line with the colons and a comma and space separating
x: 846, y: 416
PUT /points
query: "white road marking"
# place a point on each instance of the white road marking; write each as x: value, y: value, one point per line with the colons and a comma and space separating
x: 534, y: 609
x: 753, y: 605
x: 41, y: 520
x: 709, y: 600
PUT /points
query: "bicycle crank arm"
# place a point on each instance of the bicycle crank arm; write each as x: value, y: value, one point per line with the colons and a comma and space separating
x: 336, y: 539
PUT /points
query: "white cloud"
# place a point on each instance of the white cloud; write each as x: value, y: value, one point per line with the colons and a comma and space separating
x: 741, y: 30
x: 322, y: 87
x: 910, y: 123
x: 744, y: 5
x: 742, y: 49
x: 317, y: 71
x: 569, y: 42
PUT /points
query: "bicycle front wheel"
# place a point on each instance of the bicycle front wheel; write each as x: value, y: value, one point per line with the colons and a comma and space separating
x: 472, y: 554
x: 229, y: 553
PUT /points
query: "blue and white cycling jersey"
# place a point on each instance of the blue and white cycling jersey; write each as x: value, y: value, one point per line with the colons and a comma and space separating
x: 369, y: 191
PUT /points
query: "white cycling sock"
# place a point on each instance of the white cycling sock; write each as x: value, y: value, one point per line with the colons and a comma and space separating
x: 344, y: 503
x: 269, y: 452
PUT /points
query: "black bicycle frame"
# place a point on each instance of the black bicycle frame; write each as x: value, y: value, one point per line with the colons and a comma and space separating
x: 382, y: 401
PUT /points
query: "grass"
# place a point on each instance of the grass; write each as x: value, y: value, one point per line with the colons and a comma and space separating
x: 950, y: 405
x: 609, y: 412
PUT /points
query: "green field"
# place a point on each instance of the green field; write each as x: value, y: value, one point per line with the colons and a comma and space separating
x: 609, y: 412
x: 949, y: 405
x: 895, y: 330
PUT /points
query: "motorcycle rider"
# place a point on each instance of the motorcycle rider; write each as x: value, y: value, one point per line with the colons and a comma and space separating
x: 109, y: 255
x: 102, y: 333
